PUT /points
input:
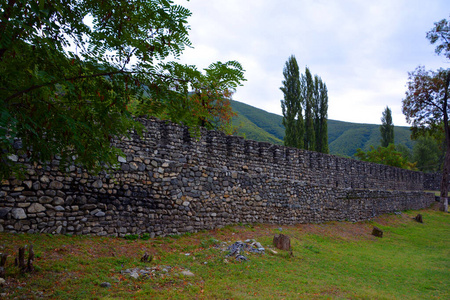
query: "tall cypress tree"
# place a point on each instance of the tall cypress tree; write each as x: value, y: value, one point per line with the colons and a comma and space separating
x: 308, y: 92
x: 387, y: 128
x: 316, y: 110
x: 321, y: 125
x: 323, y: 117
x: 292, y: 104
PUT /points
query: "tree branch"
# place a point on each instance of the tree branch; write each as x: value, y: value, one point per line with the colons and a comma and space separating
x: 34, y: 87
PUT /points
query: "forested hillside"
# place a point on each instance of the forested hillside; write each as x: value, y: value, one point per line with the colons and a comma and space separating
x: 343, y: 137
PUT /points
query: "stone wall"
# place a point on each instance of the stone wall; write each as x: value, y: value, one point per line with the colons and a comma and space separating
x: 169, y: 182
x: 432, y: 181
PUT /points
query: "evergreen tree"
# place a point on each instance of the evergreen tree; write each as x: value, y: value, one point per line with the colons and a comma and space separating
x: 387, y: 128
x: 292, y: 104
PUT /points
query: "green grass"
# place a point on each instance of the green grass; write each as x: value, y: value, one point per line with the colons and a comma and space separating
x: 338, y: 260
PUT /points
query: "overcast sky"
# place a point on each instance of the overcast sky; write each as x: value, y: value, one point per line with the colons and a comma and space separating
x: 363, y: 50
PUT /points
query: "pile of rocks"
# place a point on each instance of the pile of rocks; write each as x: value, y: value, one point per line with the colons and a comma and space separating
x: 156, y: 271
x: 239, y: 247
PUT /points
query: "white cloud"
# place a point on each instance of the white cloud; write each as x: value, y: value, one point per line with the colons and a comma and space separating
x: 361, y: 49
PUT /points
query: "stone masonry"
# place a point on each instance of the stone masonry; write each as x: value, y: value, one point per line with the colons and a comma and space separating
x: 169, y: 182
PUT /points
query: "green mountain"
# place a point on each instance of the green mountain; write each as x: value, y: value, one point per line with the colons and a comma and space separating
x: 343, y: 137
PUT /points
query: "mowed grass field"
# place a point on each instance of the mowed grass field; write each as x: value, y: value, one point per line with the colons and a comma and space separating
x: 337, y: 260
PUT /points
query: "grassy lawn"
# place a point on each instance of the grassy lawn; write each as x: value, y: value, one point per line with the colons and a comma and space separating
x: 338, y: 260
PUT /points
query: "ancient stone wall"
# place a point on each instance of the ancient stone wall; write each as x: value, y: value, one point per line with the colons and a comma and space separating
x: 432, y: 181
x: 169, y: 182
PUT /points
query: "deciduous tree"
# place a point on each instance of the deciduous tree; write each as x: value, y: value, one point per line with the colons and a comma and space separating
x: 427, y: 153
x: 292, y: 105
x: 426, y: 103
x: 71, y: 71
x: 385, y: 155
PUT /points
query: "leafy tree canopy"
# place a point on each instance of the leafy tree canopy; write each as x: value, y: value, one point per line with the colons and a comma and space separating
x: 72, y: 69
x: 426, y: 103
x: 440, y: 34
x: 385, y: 155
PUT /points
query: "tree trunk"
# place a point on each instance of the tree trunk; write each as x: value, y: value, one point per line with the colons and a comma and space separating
x: 446, y: 168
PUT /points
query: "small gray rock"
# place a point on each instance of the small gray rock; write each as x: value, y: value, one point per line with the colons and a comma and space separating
x: 105, y: 284
x: 13, y: 157
x: 187, y: 273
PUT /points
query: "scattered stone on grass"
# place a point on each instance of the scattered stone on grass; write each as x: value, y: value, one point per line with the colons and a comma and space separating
x: 377, y: 232
x: 282, y: 242
x: 419, y: 218
x: 239, y: 247
x: 156, y: 271
x: 187, y: 273
x: 105, y: 284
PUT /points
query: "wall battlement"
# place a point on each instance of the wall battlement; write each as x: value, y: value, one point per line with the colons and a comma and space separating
x: 170, y: 182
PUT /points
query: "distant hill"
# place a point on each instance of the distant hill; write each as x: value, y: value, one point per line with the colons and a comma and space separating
x: 343, y: 137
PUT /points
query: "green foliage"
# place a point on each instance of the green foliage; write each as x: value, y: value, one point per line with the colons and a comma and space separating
x: 428, y: 154
x: 308, y: 94
x: 441, y: 34
x: 72, y: 71
x: 320, y: 115
x: 405, y: 151
x: 426, y: 103
x: 132, y: 237
x: 387, y: 128
x: 199, y: 99
x: 291, y: 106
x: 65, y: 84
x: 385, y: 155
x: 309, y: 101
